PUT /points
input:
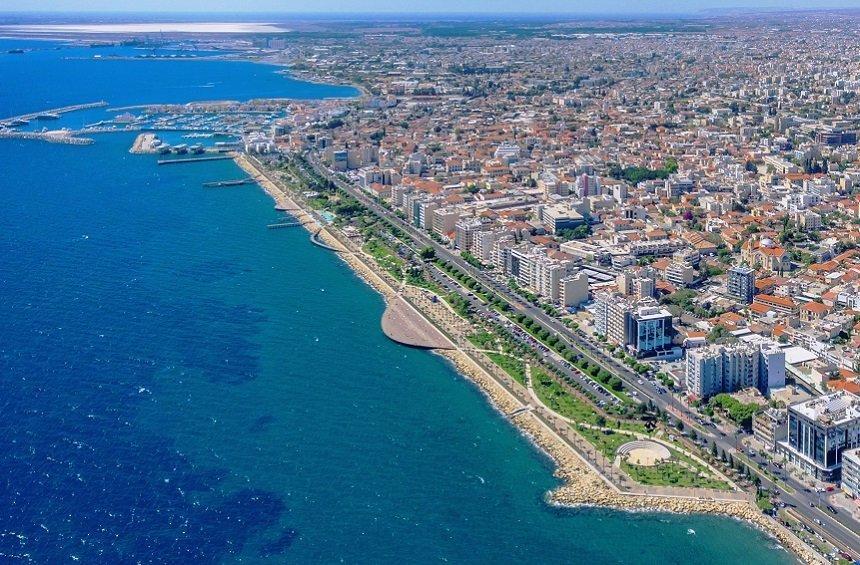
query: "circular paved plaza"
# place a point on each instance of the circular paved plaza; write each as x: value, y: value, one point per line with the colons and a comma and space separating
x: 644, y: 453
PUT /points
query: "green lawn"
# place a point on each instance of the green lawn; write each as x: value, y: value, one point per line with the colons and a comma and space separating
x: 606, y: 442
x: 385, y: 257
x: 514, y: 367
x: 558, y: 399
x: 418, y: 279
x: 671, y: 473
x: 483, y: 340
x: 764, y: 503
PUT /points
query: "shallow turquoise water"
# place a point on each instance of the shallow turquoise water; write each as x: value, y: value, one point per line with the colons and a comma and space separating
x: 179, y: 382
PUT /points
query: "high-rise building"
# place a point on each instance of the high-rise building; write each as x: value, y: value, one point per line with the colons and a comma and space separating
x: 741, y: 284
x: 768, y: 427
x: 820, y: 430
x: 574, y: 289
x: 650, y: 330
x: 446, y: 219
x: 610, y: 317
x: 466, y: 231
x: 641, y: 326
x: 771, y: 363
x: 728, y: 368
x: 532, y: 268
x: 715, y: 369
x: 625, y: 283
x: 587, y: 185
x: 680, y: 274
x: 644, y: 287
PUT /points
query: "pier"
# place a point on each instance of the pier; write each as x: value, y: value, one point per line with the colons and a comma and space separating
x: 315, y: 239
x: 279, y: 225
x: 144, y: 143
x: 194, y: 160
x: 290, y: 224
x: 225, y: 183
x: 53, y: 113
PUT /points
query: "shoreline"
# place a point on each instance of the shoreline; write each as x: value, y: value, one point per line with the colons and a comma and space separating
x: 581, y: 485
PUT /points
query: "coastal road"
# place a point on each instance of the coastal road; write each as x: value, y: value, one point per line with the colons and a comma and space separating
x: 841, y: 530
x: 548, y: 356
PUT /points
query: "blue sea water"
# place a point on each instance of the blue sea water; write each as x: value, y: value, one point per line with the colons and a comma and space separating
x: 179, y: 384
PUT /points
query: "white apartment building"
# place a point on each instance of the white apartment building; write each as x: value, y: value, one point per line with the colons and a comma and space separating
x: 574, y: 289
x: 680, y: 274
x: 445, y: 219
x: 728, y: 368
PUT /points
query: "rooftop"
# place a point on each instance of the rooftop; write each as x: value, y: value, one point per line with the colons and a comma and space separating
x: 830, y: 409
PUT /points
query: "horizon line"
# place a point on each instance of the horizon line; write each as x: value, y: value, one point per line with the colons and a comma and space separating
x: 705, y: 11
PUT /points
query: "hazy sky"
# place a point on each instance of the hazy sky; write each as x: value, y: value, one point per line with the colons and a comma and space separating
x: 414, y: 6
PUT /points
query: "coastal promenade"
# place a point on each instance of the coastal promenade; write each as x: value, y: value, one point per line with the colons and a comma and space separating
x: 401, y: 321
x: 588, y: 479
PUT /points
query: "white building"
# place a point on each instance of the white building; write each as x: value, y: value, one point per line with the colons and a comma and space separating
x: 851, y: 472
x: 641, y: 326
x: 445, y: 219
x: 820, y: 430
x: 680, y: 274
x: 728, y: 368
x: 716, y: 369
x: 771, y: 366
x: 574, y: 289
